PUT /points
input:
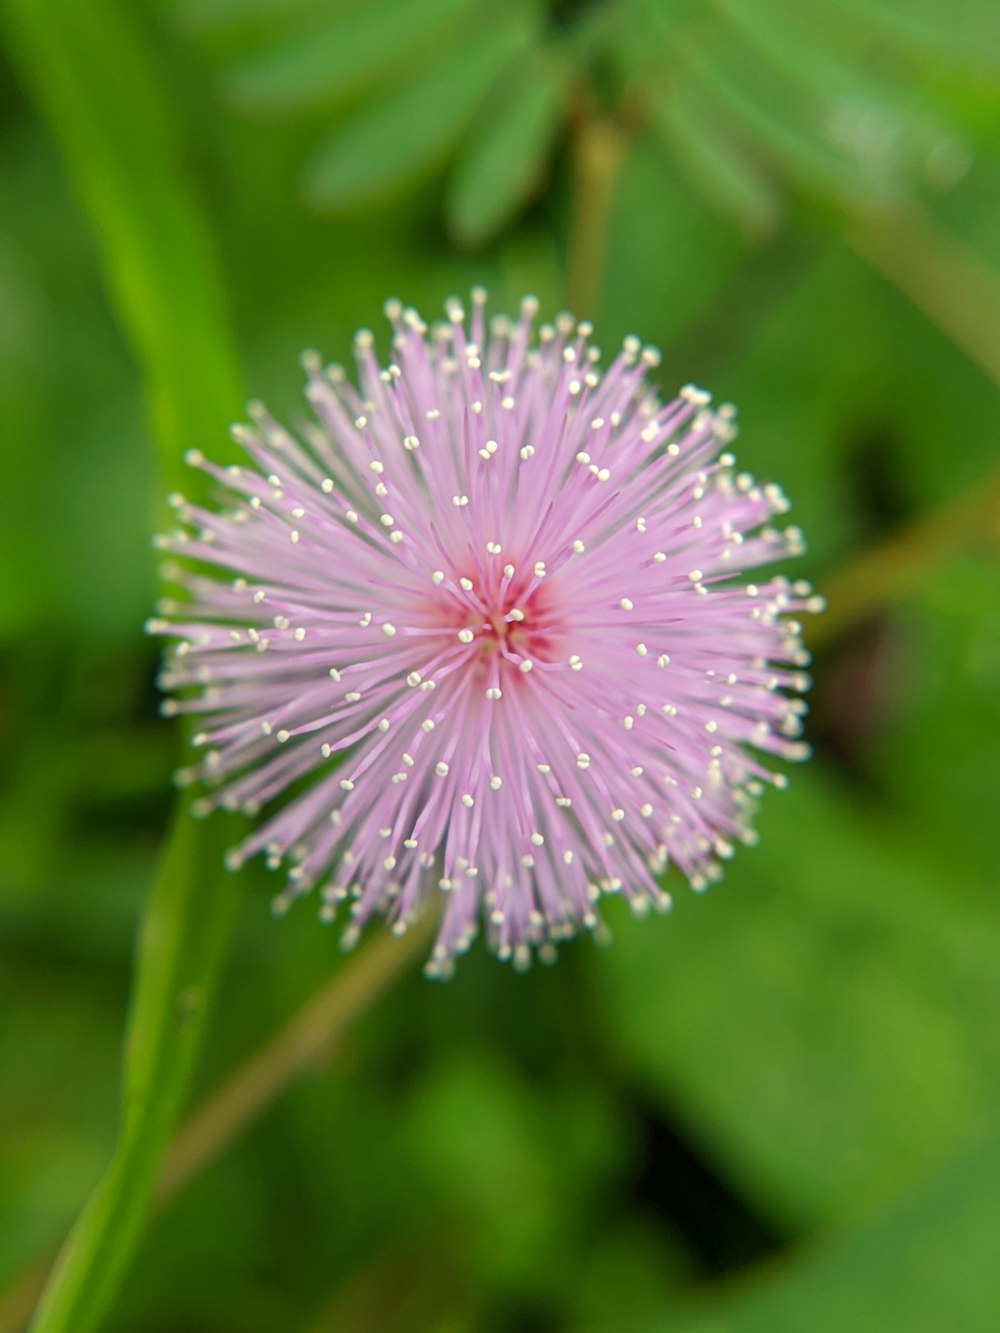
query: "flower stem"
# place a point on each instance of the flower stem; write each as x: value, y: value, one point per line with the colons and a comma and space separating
x: 304, y: 1040
x: 598, y: 151
x: 959, y: 292
x: 889, y: 570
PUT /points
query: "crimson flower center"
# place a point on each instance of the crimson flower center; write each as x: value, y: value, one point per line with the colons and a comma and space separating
x: 508, y: 628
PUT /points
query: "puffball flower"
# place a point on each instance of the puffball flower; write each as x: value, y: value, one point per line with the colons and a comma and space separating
x: 485, y: 625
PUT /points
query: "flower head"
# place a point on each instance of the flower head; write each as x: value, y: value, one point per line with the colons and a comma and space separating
x: 485, y: 625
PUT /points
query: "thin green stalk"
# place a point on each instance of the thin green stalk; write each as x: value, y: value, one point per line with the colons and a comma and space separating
x: 959, y: 291
x: 308, y: 1036
x: 886, y: 572
x: 598, y: 151
x: 955, y: 287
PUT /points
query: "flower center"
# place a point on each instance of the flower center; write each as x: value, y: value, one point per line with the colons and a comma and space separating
x: 505, y: 633
x: 500, y: 635
x: 508, y: 624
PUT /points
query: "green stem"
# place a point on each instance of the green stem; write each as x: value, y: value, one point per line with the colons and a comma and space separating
x: 888, y: 571
x: 304, y: 1040
x: 959, y: 292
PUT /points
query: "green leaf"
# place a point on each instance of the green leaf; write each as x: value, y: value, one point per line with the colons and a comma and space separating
x: 823, y: 1020
x: 882, y: 125
x: 383, y: 148
x: 964, y: 33
x: 764, y: 108
x: 503, y: 161
x: 87, y: 66
x: 726, y: 175
x: 927, y: 1264
x: 347, y: 51
x: 778, y: 123
x: 213, y: 16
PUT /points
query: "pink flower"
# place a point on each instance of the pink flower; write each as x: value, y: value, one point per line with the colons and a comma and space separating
x: 485, y: 626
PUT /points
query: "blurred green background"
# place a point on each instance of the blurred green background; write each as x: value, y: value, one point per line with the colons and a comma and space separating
x: 775, y: 1109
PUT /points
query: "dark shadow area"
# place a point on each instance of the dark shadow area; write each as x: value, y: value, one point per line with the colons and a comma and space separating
x: 721, y: 1231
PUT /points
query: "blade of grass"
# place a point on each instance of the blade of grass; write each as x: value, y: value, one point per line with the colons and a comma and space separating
x: 86, y: 66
